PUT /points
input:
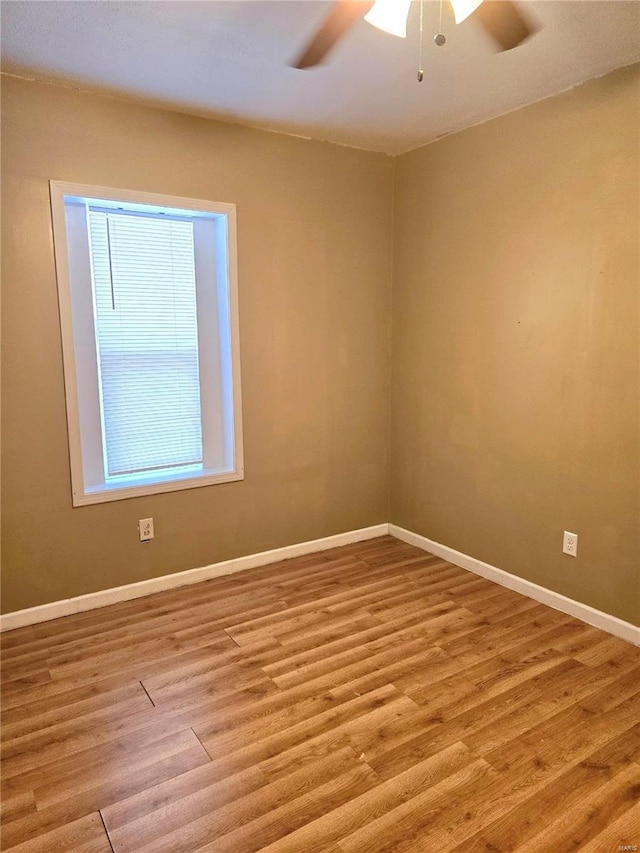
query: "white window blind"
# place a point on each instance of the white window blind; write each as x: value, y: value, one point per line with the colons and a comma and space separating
x: 147, y: 341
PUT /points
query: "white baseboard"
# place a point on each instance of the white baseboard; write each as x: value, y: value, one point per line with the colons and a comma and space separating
x: 611, y: 624
x: 45, y: 612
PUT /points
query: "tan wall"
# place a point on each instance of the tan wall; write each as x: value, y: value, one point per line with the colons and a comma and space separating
x: 516, y: 332
x: 515, y: 387
x: 314, y: 241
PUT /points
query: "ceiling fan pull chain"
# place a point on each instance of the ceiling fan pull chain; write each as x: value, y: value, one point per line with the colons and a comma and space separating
x: 440, y: 38
x: 420, y: 68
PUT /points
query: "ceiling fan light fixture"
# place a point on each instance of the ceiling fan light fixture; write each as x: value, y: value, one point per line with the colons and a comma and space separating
x: 390, y: 16
x: 463, y: 8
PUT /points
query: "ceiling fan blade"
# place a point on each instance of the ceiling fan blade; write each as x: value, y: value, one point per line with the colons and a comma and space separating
x: 342, y: 15
x: 502, y: 20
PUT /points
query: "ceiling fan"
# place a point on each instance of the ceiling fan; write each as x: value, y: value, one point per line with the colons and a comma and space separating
x: 500, y: 19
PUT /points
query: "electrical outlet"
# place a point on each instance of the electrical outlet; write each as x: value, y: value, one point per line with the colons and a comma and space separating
x: 145, y: 527
x: 570, y: 544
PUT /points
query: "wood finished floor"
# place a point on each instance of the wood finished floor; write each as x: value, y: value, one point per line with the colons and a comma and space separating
x: 366, y: 699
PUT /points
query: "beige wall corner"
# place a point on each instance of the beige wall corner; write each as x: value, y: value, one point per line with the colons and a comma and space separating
x: 516, y: 337
x: 516, y: 330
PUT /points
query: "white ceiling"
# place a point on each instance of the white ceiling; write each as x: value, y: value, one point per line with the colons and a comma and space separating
x: 228, y: 59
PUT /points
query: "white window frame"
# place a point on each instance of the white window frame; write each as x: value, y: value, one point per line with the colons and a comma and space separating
x: 89, y: 485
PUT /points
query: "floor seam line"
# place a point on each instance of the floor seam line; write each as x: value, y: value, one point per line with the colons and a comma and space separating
x: 206, y: 751
x: 106, y: 831
x: 148, y: 695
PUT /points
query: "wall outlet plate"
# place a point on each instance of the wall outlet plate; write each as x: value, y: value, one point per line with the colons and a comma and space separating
x: 145, y: 528
x: 570, y: 544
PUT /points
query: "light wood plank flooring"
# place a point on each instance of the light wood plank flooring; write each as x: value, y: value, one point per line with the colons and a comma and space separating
x: 366, y: 699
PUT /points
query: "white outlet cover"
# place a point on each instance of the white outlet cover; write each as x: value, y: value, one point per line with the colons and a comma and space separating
x: 570, y: 544
x: 145, y: 528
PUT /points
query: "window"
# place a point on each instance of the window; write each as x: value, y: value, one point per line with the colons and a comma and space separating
x: 148, y: 310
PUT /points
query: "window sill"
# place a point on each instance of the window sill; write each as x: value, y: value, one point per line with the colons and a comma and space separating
x: 117, y: 492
